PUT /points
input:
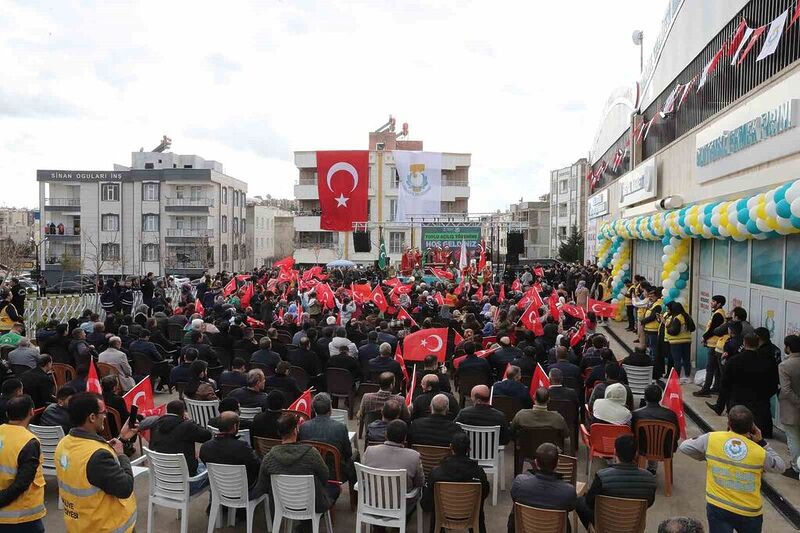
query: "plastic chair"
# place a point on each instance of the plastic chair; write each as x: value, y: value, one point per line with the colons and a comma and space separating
x: 340, y: 415
x: 300, y: 377
x: 62, y: 373
x: 263, y: 445
x: 49, y: 437
x: 528, y: 440
x: 169, y: 486
x: 175, y: 333
x: 639, y: 377
x: 202, y: 411
x: 534, y: 520
x: 458, y: 505
x: 485, y: 448
x: 567, y: 467
x: 382, y: 496
x: 144, y: 366
x: 619, y: 515
x: 229, y: 489
x: 243, y: 434
x: 104, y: 369
x: 431, y: 456
x: 507, y: 405
x: 569, y: 411
x: 249, y: 413
x: 340, y: 384
x: 366, y: 420
x: 599, y: 440
x: 655, y: 440
x: 295, y: 499
x: 224, y: 390
x: 333, y: 459
x: 467, y: 379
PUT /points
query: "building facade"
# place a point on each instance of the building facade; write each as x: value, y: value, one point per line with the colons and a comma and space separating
x: 568, y: 190
x: 17, y: 224
x: 534, y: 218
x: 271, y: 233
x: 166, y: 214
x: 313, y: 245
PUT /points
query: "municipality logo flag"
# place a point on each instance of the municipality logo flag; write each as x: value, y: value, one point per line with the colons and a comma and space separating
x: 420, y: 184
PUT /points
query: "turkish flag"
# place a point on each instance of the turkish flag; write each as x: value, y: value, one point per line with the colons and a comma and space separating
x: 539, y: 379
x: 411, y: 386
x: 198, y: 308
x: 313, y: 272
x: 501, y: 298
x: 553, y: 301
x: 482, y: 260
x: 403, y: 289
x: 230, y: 288
x: 579, y: 335
x: 361, y: 292
x: 459, y: 288
x: 303, y: 403
x: 343, y: 182
x: 439, y: 298
x: 285, y: 264
x: 442, y: 273
x: 516, y: 285
x: 574, y: 311
x: 479, y: 292
x: 402, y: 314
x: 538, y: 272
x: 426, y: 342
x: 398, y: 356
x: 602, y: 309
x: 286, y: 276
x: 379, y: 299
x: 92, y: 381
x: 392, y: 282
x: 457, y: 338
x: 253, y: 323
x: 247, y: 296
x: 325, y: 296
x: 141, y: 396
x: 483, y: 354
x: 672, y: 399
x: 530, y: 319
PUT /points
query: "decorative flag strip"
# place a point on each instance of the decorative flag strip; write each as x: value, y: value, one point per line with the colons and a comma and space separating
x: 773, y: 38
x: 710, y: 67
x: 687, y: 89
x: 741, y: 44
x: 752, y: 42
x: 738, y: 37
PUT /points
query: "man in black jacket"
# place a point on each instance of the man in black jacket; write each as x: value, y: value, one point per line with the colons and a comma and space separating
x: 38, y: 382
x: 458, y: 468
x: 435, y: 429
x: 481, y: 413
x: 264, y: 355
x: 369, y: 350
x: 502, y: 357
x: 712, y: 381
x: 654, y: 411
x: 303, y: 357
x: 473, y: 363
x: 512, y: 387
x: 557, y: 389
x: 226, y: 448
x: 623, y: 479
x: 421, y: 405
x: 57, y: 414
x: 174, y: 433
x: 266, y: 424
x: 253, y: 394
x: 345, y: 361
x: 385, y: 362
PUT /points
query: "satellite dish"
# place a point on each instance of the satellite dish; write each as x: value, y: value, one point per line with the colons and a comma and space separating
x: 637, y: 36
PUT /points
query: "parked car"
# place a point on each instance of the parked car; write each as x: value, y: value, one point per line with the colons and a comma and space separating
x: 70, y: 287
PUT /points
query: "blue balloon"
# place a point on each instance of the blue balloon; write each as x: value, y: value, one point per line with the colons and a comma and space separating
x: 741, y: 204
x: 674, y: 293
x: 707, y: 219
x: 752, y: 227
x: 783, y: 208
x: 743, y: 216
x: 714, y: 231
x: 780, y: 193
x: 772, y: 234
x: 665, y: 240
x: 680, y: 284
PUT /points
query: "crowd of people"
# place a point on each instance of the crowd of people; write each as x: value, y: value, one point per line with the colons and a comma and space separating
x: 260, y: 339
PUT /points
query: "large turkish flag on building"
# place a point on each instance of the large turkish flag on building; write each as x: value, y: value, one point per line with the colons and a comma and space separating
x: 343, y: 184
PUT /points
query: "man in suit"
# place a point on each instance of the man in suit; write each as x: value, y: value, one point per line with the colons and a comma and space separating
x: 38, y: 382
x: 473, y: 363
x: 369, y: 350
x: 512, y: 386
x: 557, y: 389
x: 346, y: 361
x: 752, y: 381
x: 253, y: 394
x: 502, y: 357
x: 570, y: 372
x: 481, y: 413
x: 226, y: 448
x: 322, y: 428
x: 393, y: 454
x: 304, y: 358
x: 430, y: 365
x: 385, y: 335
x: 421, y: 405
x: 654, y: 411
x: 436, y: 429
x: 204, y: 351
x: 264, y: 355
x: 385, y: 363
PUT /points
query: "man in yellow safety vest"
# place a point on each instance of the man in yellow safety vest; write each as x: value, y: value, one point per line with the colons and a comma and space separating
x: 710, y: 339
x: 735, y: 459
x: 21, y: 479
x: 95, y: 478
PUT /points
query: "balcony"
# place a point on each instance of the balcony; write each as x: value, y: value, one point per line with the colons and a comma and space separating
x: 68, y: 235
x: 190, y: 232
x: 307, y: 222
x: 62, y: 203
x: 305, y: 190
x: 188, y: 203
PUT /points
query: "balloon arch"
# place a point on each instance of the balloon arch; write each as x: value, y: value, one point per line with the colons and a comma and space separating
x: 765, y: 215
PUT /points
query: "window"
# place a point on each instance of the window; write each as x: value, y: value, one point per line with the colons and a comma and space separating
x: 396, y: 242
x: 562, y: 186
x: 392, y: 209
x: 396, y: 180
x: 243, y: 252
x: 235, y: 225
x: 149, y: 222
x: 224, y: 252
x: 224, y: 224
x: 109, y: 192
x: 562, y: 210
x: 235, y: 252
x: 109, y: 252
x: 150, y: 192
x: 224, y: 195
x: 242, y: 224
x: 148, y: 166
x: 235, y: 198
x: 150, y: 252
x: 766, y: 262
x: 109, y: 223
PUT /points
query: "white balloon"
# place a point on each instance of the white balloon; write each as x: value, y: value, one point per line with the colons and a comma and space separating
x: 793, y: 192
x: 752, y: 201
x: 753, y: 213
x: 741, y: 228
x: 795, y: 207
x: 668, y: 283
x: 669, y: 249
x: 785, y: 223
x: 674, y: 275
x: 674, y: 241
x: 769, y: 196
x: 762, y: 224
x: 760, y: 236
x: 715, y: 220
x: 681, y: 267
x: 733, y: 217
x: 739, y: 237
x: 723, y: 230
x: 626, y: 266
x: 614, y: 301
x: 771, y: 209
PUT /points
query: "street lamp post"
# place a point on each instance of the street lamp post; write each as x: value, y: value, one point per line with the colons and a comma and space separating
x: 638, y: 39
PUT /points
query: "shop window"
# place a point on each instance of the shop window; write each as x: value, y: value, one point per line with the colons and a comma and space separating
x: 792, y: 280
x: 766, y: 267
x: 721, y: 259
x: 739, y: 260
x: 706, y: 251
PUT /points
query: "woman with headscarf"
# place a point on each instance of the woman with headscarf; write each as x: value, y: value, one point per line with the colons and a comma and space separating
x: 582, y: 295
x: 611, y: 409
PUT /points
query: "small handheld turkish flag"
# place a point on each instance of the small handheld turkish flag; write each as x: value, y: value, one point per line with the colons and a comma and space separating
x: 538, y: 272
x: 398, y: 356
x: 247, y: 296
x: 379, y: 299
x: 530, y: 319
x: 432, y: 341
x: 198, y: 307
x: 539, y: 379
x: 303, y: 403
x: 672, y: 399
x: 342, y: 184
x: 502, y: 296
x: 403, y: 315
x: 92, y: 382
x: 141, y: 396
x: 230, y: 288
x: 602, y: 308
x: 285, y: 263
x: 579, y: 335
x: 516, y: 285
x: 553, y: 300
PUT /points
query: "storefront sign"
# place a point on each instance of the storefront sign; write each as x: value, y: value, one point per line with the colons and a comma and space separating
x: 598, y: 204
x: 441, y: 236
x: 78, y: 175
x: 638, y: 184
x: 753, y: 138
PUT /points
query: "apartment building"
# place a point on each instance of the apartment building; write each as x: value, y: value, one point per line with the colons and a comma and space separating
x: 568, y: 190
x: 271, y: 233
x: 534, y: 220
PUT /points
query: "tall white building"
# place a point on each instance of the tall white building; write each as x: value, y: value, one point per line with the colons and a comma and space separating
x: 567, y: 202
x: 271, y: 233
x: 166, y: 214
x: 534, y: 219
x: 313, y: 245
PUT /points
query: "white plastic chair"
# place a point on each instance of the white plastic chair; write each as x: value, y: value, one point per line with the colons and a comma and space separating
x: 249, y: 413
x: 202, y: 411
x: 382, y: 498
x: 49, y: 437
x: 169, y: 486
x: 295, y: 499
x: 340, y: 415
x: 484, y: 447
x: 639, y: 377
x: 243, y: 434
x: 229, y: 489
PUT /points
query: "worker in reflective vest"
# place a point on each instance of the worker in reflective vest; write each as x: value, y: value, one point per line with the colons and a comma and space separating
x: 710, y: 339
x: 95, y: 479
x: 652, y: 320
x: 21, y: 479
x: 678, y: 333
x: 735, y: 461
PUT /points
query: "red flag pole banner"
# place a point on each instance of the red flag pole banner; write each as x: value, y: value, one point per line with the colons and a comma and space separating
x: 92, y: 381
x: 411, y: 386
x: 342, y: 184
x: 284, y: 264
x: 432, y: 341
x: 403, y: 315
x: 539, y: 379
x: 230, y: 288
x: 398, y: 356
x: 672, y: 399
x: 303, y: 403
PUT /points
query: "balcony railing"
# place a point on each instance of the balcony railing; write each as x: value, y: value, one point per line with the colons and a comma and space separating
x: 314, y: 245
x: 189, y: 232
x: 451, y: 182
x: 62, y: 202
x: 308, y: 213
x: 206, y: 201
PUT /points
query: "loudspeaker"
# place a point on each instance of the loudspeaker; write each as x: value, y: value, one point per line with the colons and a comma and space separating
x: 512, y: 259
x: 516, y: 243
x: 361, y: 241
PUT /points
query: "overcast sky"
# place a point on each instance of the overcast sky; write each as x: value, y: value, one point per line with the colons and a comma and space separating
x: 521, y: 86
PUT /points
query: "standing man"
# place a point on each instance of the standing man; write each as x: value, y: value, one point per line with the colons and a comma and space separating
x: 95, y: 479
x: 18, y: 295
x: 21, y: 479
x: 147, y: 292
x: 735, y: 461
x: 710, y: 339
x: 651, y: 322
x: 789, y: 401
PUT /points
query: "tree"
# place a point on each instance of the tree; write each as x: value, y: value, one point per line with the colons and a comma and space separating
x: 571, y: 250
x: 95, y: 261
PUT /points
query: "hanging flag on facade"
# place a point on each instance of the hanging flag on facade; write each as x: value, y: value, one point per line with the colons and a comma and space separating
x: 709, y: 69
x: 796, y: 14
x: 737, y: 38
x: 343, y: 186
x: 773, y: 38
x: 383, y: 259
x: 741, y: 44
x: 420, y: 184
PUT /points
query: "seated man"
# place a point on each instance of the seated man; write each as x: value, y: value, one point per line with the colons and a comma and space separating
x: 345, y: 361
x: 542, y: 487
x: 232, y: 405
x: 385, y: 362
x: 264, y: 355
x: 612, y: 374
x: 297, y: 459
x: 376, y: 430
x: 200, y: 387
x: 512, y: 386
x: 437, y: 428
x: 612, y: 408
x: 458, y: 468
x: 236, y: 376
x: 623, y: 479
x: 473, y: 363
x: 557, y: 389
x: 24, y: 354
x: 483, y: 414
x: 430, y: 387
x: 283, y: 382
x: 57, y: 414
x: 303, y: 357
x: 38, y: 382
x: 226, y: 448
x: 538, y: 416
x: 374, y: 401
x: 115, y: 357
x: 253, y: 394
x: 639, y: 357
x: 431, y: 366
x: 266, y: 424
x: 653, y: 410
x: 323, y: 428
x: 182, y: 372
x: 393, y: 455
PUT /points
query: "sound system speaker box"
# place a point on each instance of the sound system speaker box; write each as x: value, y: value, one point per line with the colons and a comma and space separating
x: 516, y: 243
x: 361, y: 241
x: 512, y: 259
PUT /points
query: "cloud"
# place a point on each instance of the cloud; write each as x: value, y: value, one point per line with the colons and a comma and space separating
x: 479, y: 48
x: 222, y: 67
x: 34, y: 105
x: 255, y: 134
x: 573, y: 105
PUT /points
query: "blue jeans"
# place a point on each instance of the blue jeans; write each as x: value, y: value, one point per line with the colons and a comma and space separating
x: 682, y: 357
x: 722, y: 521
x: 200, y: 484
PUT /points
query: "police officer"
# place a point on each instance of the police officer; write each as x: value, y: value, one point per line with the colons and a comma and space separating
x: 95, y: 478
x: 735, y: 459
x: 21, y: 479
x: 126, y: 298
x: 18, y: 294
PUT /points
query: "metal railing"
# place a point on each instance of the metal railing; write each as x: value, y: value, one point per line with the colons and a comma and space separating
x: 189, y: 232
x: 189, y: 202
x: 312, y: 245
x: 62, y: 202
